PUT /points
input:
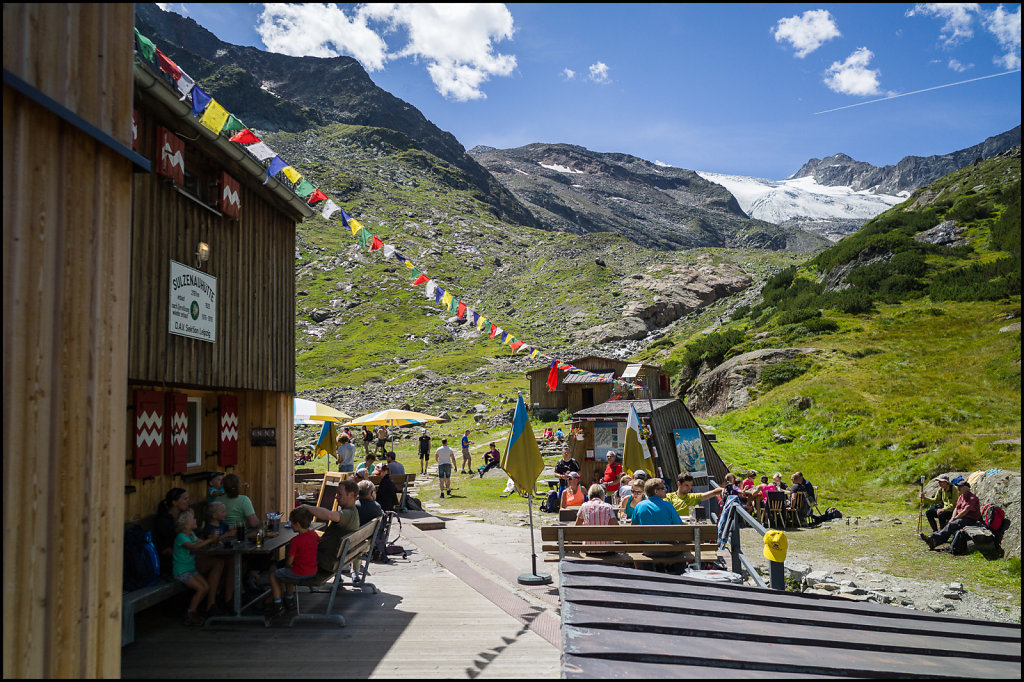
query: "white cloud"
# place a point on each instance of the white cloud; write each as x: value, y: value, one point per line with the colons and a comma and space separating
x: 568, y: 74
x: 454, y: 40
x: 958, y: 18
x: 599, y: 72
x: 176, y: 7
x: 958, y: 67
x: 1005, y: 26
x: 806, y: 32
x: 853, y: 77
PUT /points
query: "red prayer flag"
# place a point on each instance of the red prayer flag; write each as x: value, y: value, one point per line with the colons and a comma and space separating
x: 515, y: 345
x: 245, y: 137
x: 376, y: 244
x: 315, y: 197
x: 494, y: 330
x: 553, y: 376
x: 422, y: 279
x: 167, y: 66
x: 461, y: 310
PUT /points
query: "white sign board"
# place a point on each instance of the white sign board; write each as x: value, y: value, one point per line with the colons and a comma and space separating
x: 193, y: 303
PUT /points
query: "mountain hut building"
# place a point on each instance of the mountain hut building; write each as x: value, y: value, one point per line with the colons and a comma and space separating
x: 576, y: 391
x: 149, y: 310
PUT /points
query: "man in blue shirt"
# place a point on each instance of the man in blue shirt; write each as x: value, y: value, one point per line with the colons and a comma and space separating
x: 656, y: 510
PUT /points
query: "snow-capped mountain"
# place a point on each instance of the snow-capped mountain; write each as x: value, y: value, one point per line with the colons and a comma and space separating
x: 831, y: 211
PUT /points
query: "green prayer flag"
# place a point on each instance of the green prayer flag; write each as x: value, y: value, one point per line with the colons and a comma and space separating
x: 305, y: 189
x: 454, y: 307
x: 365, y: 237
x: 146, y: 47
x: 415, y: 273
x: 233, y: 124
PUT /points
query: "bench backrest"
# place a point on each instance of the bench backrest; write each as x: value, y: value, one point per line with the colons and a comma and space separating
x: 398, y: 479
x: 630, y: 534
x: 359, y: 542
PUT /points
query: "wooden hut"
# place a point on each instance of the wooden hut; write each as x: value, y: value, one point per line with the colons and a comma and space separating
x: 106, y: 405
x: 603, y: 428
x: 577, y: 391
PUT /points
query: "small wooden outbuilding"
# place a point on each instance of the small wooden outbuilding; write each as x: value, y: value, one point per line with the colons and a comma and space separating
x: 577, y: 391
x: 611, y: 417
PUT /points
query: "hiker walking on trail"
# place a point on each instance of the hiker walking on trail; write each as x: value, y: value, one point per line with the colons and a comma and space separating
x: 424, y: 450
x: 367, y: 438
x: 467, y: 459
x: 445, y: 457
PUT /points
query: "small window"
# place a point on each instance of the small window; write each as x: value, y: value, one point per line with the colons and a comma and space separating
x: 195, y: 432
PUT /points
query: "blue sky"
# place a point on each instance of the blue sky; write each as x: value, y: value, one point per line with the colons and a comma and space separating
x: 724, y: 88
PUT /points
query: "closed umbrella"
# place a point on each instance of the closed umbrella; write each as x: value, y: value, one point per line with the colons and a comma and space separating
x: 310, y: 412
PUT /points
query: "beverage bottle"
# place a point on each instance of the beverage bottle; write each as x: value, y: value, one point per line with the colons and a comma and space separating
x: 259, y: 537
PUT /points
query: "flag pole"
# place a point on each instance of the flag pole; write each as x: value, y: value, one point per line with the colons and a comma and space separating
x: 533, y: 578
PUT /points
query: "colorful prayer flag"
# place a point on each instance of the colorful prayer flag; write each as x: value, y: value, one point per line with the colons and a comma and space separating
x: 245, y: 137
x: 316, y: 197
x: 330, y: 208
x: 277, y: 164
x: 200, y: 100
x: 214, y: 117
x: 167, y: 66
x: 364, y: 236
x: 261, y: 151
x: 305, y: 188
x: 356, y: 226
x: 376, y: 244
x: 292, y: 174
x: 422, y: 279
x: 234, y: 124
x: 553, y: 376
x: 146, y: 47
x: 494, y: 330
x: 446, y: 300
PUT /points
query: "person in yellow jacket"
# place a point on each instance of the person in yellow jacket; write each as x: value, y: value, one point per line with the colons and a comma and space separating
x: 940, y: 509
x: 683, y: 500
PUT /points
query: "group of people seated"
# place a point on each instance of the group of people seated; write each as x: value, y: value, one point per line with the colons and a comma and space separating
x: 753, y: 491
x: 638, y: 499
x: 229, y: 515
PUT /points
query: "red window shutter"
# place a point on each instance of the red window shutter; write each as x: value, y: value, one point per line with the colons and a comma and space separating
x: 230, y: 196
x: 228, y: 431
x: 149, y: 434
x: 170, y: 155
x: 176, y: 428
x: 663, y: 382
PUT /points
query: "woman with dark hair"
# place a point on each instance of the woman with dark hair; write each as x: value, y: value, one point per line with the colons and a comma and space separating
x: 175, y: 501
x: 239, y: 507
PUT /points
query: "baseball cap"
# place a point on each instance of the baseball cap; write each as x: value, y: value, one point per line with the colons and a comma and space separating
x: 960, y: 480
x: 775, y: 545
x: 573, y: 474
x: 942, y: 477
x: 641, y: 474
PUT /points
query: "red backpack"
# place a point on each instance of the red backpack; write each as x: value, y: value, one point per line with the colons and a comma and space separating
x: 994, y: 517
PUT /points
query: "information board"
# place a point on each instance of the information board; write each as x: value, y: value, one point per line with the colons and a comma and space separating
x: 193, y: 303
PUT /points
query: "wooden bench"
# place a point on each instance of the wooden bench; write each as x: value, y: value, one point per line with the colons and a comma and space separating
x: 632, y: 545
x: 144, y: 597
x: 356, y: 549
x: 401, y: 482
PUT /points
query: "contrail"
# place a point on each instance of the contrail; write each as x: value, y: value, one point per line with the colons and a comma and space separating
x: 947, y: 85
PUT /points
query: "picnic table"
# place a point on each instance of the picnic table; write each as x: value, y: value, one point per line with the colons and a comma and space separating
x: 238, y: 550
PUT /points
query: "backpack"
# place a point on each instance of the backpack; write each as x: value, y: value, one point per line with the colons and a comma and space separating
x: 958, y: 543
x: 382, y: 547
x: 550, y: 504
x: 833, y: 513
x: 141, y: 562
x: 994, y: 517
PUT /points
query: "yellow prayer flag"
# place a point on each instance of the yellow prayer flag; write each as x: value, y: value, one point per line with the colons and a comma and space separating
x: 355, y: 225
x: 446, y: 300
x: 409, y: 265
x: 480, y: 323
x: 292, y: 174
x: 214, y: 117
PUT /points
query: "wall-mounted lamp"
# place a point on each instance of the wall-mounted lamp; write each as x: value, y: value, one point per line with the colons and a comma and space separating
x: 202, y: 254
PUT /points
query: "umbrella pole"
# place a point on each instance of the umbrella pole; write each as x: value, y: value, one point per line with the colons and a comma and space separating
x: 533, y: 578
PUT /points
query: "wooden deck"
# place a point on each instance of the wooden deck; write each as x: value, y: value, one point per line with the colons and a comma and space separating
x: 621, y: 622
x: 446, y: 612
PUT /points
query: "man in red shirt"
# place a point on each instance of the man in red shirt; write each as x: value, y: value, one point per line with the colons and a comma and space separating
x: 966, y: 513
x: 612, y: 474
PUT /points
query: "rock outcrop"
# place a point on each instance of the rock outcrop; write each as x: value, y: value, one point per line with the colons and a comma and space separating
x: 727, y: 386
x: 997, y: 486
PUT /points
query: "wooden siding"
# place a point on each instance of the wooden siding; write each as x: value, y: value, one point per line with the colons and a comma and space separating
x: 67, y: 222
x: 268, y: 470
x: 570, y: 397
x: 252, y: 259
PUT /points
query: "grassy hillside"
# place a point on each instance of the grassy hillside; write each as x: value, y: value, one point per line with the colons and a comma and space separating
x: 915, y: 376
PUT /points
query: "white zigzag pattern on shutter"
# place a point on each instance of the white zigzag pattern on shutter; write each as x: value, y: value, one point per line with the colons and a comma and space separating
x: 147, y: 429
x: 229, y: 427
x: 175, y: 159
x: 179, y: 428
x: 231, y: 196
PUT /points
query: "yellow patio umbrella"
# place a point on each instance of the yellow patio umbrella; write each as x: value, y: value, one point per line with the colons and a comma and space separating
x: 310, y: 412
x: 393, y: 418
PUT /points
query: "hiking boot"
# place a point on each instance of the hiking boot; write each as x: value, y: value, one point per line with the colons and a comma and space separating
x: 442, y: 494
x: 928, y: 541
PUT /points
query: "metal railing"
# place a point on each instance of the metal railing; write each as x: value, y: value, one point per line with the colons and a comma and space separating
x: 740, y: 563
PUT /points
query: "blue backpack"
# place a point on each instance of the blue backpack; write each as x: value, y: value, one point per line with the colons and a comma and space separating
x: 141, y: 562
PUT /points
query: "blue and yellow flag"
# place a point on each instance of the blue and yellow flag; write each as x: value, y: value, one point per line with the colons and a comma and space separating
x: 522, y: 461
x: 328, y: 442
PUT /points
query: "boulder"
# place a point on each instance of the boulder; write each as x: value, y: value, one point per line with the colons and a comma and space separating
x: 996, y: 486
x: 727, y: 387
x: 946, y: 233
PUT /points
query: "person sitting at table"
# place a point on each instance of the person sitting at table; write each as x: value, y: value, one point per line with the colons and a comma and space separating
x: 184, y: 566
x: 365, y: 504
x: 595, y: 511
x: 572, y: 495
x: 750, y: 482
x: 635, y: 497
x: 387, y: 492
x: 299, y: 565
x: 216, y: 525
x: 241, y: 512
x: 342, y: 521
x: 368, y: 464
x: 655, y: 510
x: 216, y: 488
x: 732, y: 487
x: 175, y: 501
x: 624, y: 482
x: 764, y: 488
x: 683, y: 500
x: 777, y: 482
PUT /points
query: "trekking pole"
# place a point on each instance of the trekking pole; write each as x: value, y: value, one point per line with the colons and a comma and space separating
x: 920, y: 506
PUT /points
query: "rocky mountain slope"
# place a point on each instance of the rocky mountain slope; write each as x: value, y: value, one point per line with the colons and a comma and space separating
x: 911, y: 173
x: 573, y: 189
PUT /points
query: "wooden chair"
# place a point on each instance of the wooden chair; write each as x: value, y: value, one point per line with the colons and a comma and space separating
x: 796, y: 503
x: 356, y: 548
x: 759, y: 508
x: 775, y: 509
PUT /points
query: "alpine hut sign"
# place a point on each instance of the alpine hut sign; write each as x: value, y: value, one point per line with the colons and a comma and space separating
x: 193, y: 303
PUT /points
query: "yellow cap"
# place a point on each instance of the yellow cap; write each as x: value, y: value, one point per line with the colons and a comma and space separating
x: 775, y: 545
